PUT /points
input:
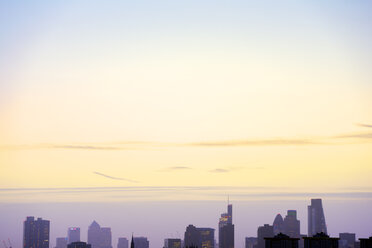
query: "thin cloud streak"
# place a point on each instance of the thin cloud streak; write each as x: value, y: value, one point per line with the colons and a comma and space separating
x: 355, y: 136
x: 219, y: 170
x: 115, y: 178
x: 263, y: 142
x: 364, y: 125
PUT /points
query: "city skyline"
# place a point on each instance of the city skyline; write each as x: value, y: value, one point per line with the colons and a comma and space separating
x: 145, y: 116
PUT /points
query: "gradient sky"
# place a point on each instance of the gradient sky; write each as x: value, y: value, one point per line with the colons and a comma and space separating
x: 252, y: 97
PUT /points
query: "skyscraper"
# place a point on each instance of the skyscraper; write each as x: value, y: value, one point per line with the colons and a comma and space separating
x: 172, y: 243
x: 291, y: 224
x: 281, y: 241
x: 73, y: 234
x: 265, y: 231
x: 316, y: 219
x: 123, y: 243
x: 206, y: 237
x: 226, y: 229
x: 199, y: 237
x: 278, y: 224
x: 99, y: 237
x: 141, y: 242
x: 35, y: 233
x: 192, y: 237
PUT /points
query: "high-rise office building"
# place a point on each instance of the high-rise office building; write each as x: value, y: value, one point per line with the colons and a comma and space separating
x: 192, y: 237
x: 35, y: 233
x: 141, y: 242
x: 265, y: 231
x: 206, y: 237
x: 320, y: 240
x: 199, y: 237
x: 99, y: 237
x: 78, y: 244
x: 291, y: 224
x: 366, y: 243
x: 226, y: 229
x: 347, y: 240
x: 123, y: 243
x: 316, y: 219
x: 278, y: 224
x: 281, y: 241
x: 61, y: 242
x: 172, y: 243
x: 73, y: 234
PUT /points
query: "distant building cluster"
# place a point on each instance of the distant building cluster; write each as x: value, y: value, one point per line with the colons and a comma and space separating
x: 283, y: 233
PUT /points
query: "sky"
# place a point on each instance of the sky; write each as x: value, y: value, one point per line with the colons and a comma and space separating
x: 261, y: 100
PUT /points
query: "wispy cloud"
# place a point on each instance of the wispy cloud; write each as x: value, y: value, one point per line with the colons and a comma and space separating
x: 219, y: 170
x: 259, y: 142
x: 115, y: 178
x: 364, y: 125
x: 355, y: 136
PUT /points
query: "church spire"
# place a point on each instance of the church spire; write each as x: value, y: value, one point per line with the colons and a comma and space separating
x: 132, y: 242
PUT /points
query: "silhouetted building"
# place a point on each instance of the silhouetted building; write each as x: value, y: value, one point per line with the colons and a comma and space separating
x: 61, y: 242
x: 281, y: 241
x: 132, y: 242
x: 192, y: 236
x: 172, y: 243
x: 141, y: 242
x: 207, y: 237
x: 99, y: 237
x: 73, y: 234
x: 321, y: 240
x: 265, y: 231
x: 250, y: 242
x: 316, y: 219
x: 123, y: 243
x: 366, y: 243
x: 347, y: 240
x: 226, y: 229
x: 291, y: 224
x: 78, y: 245
x: 278, y: 224
x: 35, y: 233
x: 199, y: 237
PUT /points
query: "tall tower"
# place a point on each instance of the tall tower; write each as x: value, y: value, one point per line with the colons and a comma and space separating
x: 292, y: 225
x: 226, y: 229
x: 99, y: 237
x: 35, y: 233
x: 73, y: 234
x: 278, y: 224
x: 315, y: 218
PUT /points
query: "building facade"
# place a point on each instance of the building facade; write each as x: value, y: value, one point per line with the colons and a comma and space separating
x: 35, y: 233
x: 226, y: 229
x: 73, y: 234
x: 291, y: 224
x: 316, y: 218
x: 265, y: 231
x: 99, y: 237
